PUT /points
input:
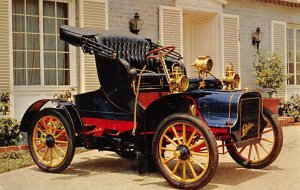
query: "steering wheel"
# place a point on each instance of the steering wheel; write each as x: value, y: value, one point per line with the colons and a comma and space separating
x: 158, y: 53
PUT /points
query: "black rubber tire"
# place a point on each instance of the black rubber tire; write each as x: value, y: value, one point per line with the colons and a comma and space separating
x: 70, y: 137
x: 211, y: 146
x: 278, y: 141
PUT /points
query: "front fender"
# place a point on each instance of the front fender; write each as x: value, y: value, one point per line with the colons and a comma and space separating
x: 167, y: 105
x: 68, y: 108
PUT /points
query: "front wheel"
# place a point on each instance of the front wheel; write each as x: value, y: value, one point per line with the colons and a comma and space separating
x: 261, y: 154
x: 185, y: 151
x: 51, y: 141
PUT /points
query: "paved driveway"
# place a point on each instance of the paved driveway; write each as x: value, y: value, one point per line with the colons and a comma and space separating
x: 105, y: 170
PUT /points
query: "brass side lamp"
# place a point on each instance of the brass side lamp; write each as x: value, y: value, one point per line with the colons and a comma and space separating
x: 231, y: 79
x: 178, y: 82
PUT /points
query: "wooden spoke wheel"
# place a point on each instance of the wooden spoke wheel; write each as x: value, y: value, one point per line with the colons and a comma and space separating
x: 185, y: 151
x: 262, y: 154
x: 51, y: 141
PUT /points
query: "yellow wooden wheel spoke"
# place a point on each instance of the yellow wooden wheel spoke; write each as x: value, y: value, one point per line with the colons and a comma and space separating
x: 183, y: 134
x: 42, y: 146
x: 267, y: 140
x: 199, y: 154
x: 51, y: 158
x: 46, y: 127
x: 40, y: 130
x: 61, y: 142
x: 191, y: 137
x: 249, y: 153
x: 38, y: 139
x: 169, y: 159
x: 196, y: 162
x: 176, y: 134
x: 184, y: 170
x: 61, y: 133
x: 54, y: 130
x: 267, y: 131
x: 45, y: 154
x: 51, y: 125
x: 169, y: 139
x: 56, y: 155
x: 168, y: 149
x: 176, y: 167
x: 196, y: 145
x: 263, y: 147
x: 257, y: 151
x: 192, y: 169
x: 64, y: 153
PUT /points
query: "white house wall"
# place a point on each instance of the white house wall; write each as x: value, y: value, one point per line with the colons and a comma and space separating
x: 253, y: 14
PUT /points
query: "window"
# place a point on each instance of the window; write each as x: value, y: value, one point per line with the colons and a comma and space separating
x: 39, y: 56
x: 293, y: 55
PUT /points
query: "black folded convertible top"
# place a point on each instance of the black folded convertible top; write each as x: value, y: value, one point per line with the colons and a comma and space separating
x: 73, y: 35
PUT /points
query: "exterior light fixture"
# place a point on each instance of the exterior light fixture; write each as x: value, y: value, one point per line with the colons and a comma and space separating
x: 136, y: 24
x: 255, y: 38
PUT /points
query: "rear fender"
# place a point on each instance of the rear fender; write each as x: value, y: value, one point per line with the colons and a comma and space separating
x: 68, y: 109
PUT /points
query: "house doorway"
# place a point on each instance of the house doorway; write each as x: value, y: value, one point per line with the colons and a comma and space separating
x: 201, y: 31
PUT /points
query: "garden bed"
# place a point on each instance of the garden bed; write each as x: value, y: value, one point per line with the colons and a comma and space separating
x: 13, y: 160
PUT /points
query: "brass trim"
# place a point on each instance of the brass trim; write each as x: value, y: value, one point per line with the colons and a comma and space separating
x: 229, y: 108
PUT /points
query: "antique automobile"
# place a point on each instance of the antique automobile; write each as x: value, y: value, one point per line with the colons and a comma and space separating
x: 147, y: 109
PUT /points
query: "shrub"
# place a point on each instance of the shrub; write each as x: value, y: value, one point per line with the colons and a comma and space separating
x: 4, y: 103
x: 291, y: 107
x: 269, y: 72
x: 66, y: 95
x: 10, y: 133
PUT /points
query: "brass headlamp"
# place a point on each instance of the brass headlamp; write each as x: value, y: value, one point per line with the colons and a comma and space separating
x: 231, y: 79
x: 203, y: 64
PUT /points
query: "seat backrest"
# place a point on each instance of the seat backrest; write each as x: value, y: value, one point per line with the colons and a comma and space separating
x: 130, y: 47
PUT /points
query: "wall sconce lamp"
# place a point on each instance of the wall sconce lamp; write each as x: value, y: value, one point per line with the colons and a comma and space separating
x: 136, y: 24
x: 255, y: 38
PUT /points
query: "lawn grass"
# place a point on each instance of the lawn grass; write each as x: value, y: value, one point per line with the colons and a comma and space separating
x: 19, y: 159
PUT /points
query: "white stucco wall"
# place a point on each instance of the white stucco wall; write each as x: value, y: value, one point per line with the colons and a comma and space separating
x: 253, y: 14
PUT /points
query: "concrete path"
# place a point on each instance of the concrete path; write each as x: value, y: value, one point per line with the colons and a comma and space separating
x: 106, y: 171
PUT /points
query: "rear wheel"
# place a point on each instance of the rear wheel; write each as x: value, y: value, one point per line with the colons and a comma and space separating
x: 261, y: 154
x: 51, y: 141
x: 185, y: 151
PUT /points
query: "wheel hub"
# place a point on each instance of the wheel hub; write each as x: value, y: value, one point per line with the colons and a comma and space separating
x: 182, y: 152
x: 50, y: 141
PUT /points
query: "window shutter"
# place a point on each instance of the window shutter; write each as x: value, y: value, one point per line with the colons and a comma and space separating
x: 4, y: 48
x: 93, y: 15
x: 231, y: 41
x: 170, y: 27
x: 278, y: 46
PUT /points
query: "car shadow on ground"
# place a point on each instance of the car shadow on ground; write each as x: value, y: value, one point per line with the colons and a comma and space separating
x: 228, y: 173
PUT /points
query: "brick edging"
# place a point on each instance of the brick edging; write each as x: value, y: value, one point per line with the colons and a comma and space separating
x: 13, y: 148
